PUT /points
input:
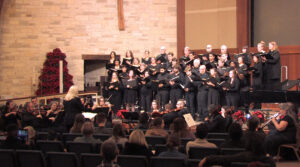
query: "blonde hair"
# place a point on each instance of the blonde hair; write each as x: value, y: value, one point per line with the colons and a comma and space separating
x: 262, y: 43
x: 73, y: 92
x: 274, y: 44
x: 138, y: 137
x: 31, y: 132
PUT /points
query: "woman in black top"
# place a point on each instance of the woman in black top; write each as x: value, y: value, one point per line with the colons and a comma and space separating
x: 215, y: 121
x: 233, y: 90
x: 72, y: 106
x: 131, y: 91
x: 257, y: 73
x: 284, y: 131
x: 213, y: 88
x: 115, y: 92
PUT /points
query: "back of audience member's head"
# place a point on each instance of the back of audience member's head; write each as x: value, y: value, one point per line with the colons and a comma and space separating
x: 87, y: 129
x: 179, y: 125
x: 100, y: 118
x: 173, y: 141
x: 138, y: 137
x: 52, y: 135
x: 255, y: 144
x: 109, y: 151
x: 31, y: 132
x: 79, y: 119
x: 144, y: 119
x: 201, y: 131
x: 157, y: 123
x: 12, y: 130
x: 235, y: 131
x: 118, y: 131
x: 253, y: 123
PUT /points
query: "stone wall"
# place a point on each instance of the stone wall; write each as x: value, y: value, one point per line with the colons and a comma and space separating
x: 31, y: 28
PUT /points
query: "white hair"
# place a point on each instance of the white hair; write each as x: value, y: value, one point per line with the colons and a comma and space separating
x: 223, y: 46
x: 73, y: 92
x: 202, y: 66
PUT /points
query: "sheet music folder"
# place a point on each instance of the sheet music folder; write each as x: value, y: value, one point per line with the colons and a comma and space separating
x: 101, y: 110
x: 190, y: 120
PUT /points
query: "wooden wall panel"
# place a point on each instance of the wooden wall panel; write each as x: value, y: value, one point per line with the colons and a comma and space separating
x: 180, y: 27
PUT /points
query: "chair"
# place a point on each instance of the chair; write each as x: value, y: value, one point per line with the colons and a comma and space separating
x: 79, y: 147
x: 160, y: 148
x: 42, y: 135
x: 7, y: 158
x: 217, y: 142
x: 50, y: 146
x: 102, y: 137
x: 245, y: 164
x: 185, y: 140
x: 201, y: 152
x: 98, y: 148
x: 294, y: 147
x: 217, y: 135
x: 62, y: 159
x: 90, y: 160
x: 26, y: 158
x: 167, y: 162
x: 70, y: 136
x: 132, y: 161
x: 154, y: 140
x: 193, y: 162
x: 231, y: 151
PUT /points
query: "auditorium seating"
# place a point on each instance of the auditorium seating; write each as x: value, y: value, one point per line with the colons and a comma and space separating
x: 167, y: 162
x: 7, y: 158
x: 231, y: 151
x: 217, y: 142
x: 50, y: 146
x: 245, y: 164
x: 132, y: 161
x: 26, y: 158
x: 217, y: 135
x: 193, y: 162
x: 79, y: 147
x: 154, y: 140
x: 90, y: 160
x: 62, y: 159
x: 201, y: 152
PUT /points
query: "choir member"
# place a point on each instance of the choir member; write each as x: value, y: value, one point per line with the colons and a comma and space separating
x: 225, y: 55
x: 124, y: 74
x: 115, y: 92
x: 169, y: 62
x: 127, y: 60
x: 145, y: 90
x: 131, y: 87
x: 261, y: 51
x: 245, y: 55
x: 202, y: 92
x: 189, y: 90
x: 213, y: 88
x: 196, y: 65
x: 176, y: 80
x: 185, y: 58
x: 72, y: 106
x: 153, y: 68
x: 257, y: 73
x: 273, y: 68
x: 163, y: 93
x: 208, y: 51
x: 146, y: 58
x: 135, y: 65
x: 162, y: 57
x: 211, y: 61
x: 233, y: 90
x: 111, y: 61
x: 244, y: 77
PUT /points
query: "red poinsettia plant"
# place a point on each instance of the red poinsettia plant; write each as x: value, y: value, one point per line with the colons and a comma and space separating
x: 239, y: 116
x: 259, y: 115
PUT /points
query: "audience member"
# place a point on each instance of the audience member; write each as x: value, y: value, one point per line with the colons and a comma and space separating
x: 235, y: 134
x: 109, y: 153
x: 12, y: 141
x: 101, y: 121
x: 253, y: 127
x: 254, y: 152
x: 200, y: 141
x: 79, y: 120
x: 179, y: 127
x: 157, y: 128
x: 143, y: 121
x: 137, y: 144
x: 118, y: 135
x: 173, y: 144
x: 88, y: 131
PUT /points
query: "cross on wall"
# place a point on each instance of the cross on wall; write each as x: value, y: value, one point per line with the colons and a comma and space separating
x: 121, y: 21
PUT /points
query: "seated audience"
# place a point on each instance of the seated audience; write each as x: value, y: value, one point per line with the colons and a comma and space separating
x: 253, y: 127
x: 200, y: 141
x: 254, y: 152
x: 12, y: 141
x: 173, y: 144
x: 101, y: 121
x: 179, y: 127
x: 79, y: 120
x: 284, y: 131
x: 235, y: 134
x: 109, y: 153
x: 215, y: 122
x: 157, y: 128
x: 52, y: 135
x: 143, y: 122
x: 118, y: 135
x: 137, y: 144
x: 87, y: 131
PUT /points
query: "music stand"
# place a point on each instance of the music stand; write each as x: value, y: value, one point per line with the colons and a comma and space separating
x: 103, y: 110
x: 131, y: 115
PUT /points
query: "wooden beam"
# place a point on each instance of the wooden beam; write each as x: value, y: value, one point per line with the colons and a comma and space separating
x: 97, y: 57
x: 121, y: 21
x: 180, y: 27
x: 243, y: 17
